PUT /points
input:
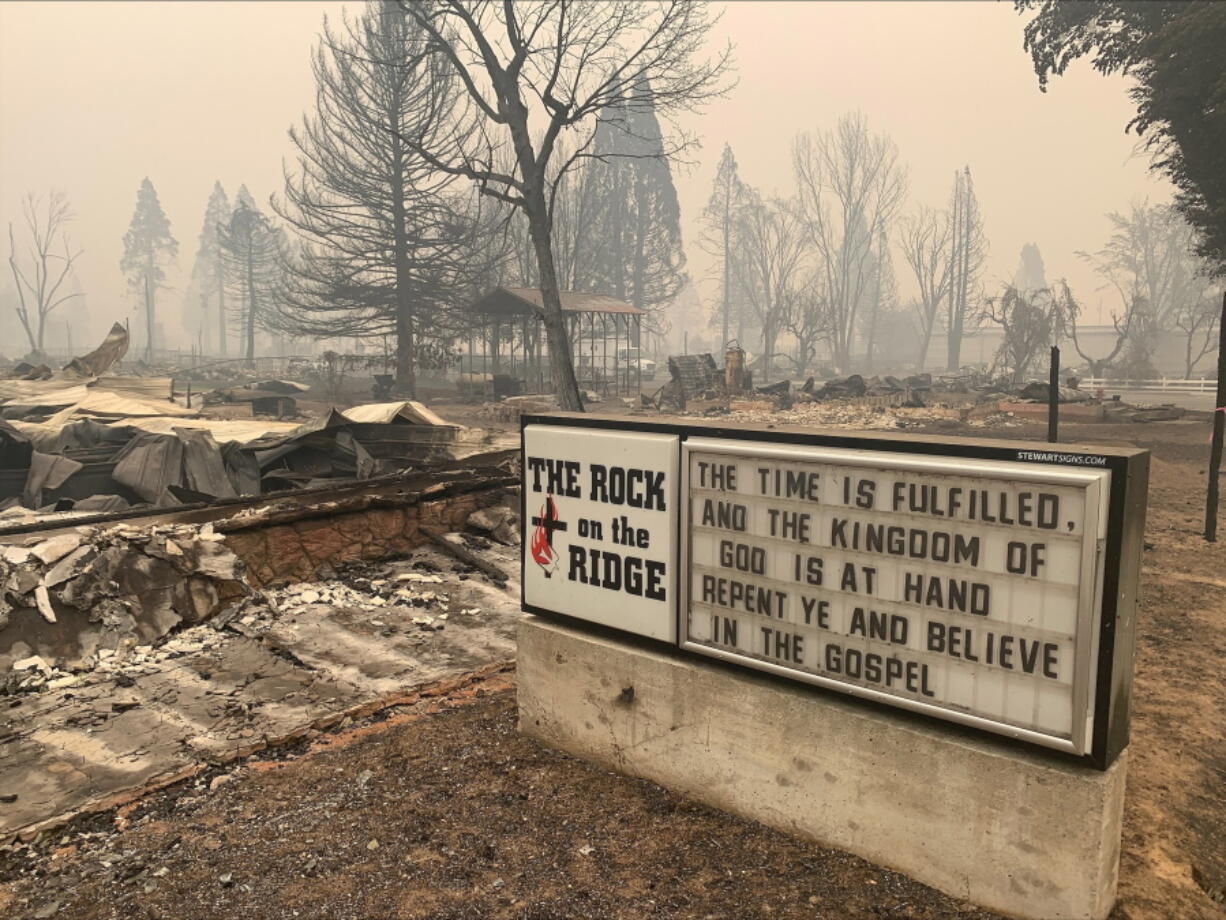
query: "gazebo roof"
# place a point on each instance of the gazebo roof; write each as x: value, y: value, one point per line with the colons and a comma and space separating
x: 516, y: 301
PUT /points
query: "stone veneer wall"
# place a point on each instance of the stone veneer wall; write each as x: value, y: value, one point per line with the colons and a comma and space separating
x: 305, y: 549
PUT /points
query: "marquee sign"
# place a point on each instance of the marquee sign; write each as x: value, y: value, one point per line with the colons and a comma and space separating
x: 981, y: 583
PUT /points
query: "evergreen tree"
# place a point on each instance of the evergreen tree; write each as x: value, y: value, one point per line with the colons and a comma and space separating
x: 634, y: 214
x: 206, y: 299
x: 386, y: 242
x: 243, y: 198
x: 147, y: 248
x: 1031, y: 274
x: 719, y: 218
x: 252, y: 255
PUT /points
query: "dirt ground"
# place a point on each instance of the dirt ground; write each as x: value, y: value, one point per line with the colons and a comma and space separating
x: 453, y: 816
x: 442, y: 811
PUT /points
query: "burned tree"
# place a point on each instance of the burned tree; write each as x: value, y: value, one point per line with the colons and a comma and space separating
x: 147, y: 248
x: 1151, y: 255
x: 253, y: 256
x: 1197, y: 322
x: 851, y: 186
x: 719, y: 217
x: 40, y: 272
x: 384, y: 235
x: 771, y: 249
x: 532, y: 75
x: 880, y: 303
x: 807, y: 317
x: 1032, y: 321
x: 1100, y: 365
x: 968, y: 251
x: 1150, y: 261
x: 927, y: 238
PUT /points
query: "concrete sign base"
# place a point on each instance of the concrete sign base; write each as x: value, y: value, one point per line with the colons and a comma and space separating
x: 1020, y: 832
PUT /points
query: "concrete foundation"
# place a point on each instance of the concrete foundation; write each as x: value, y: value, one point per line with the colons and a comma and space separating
x: 1015, y: 831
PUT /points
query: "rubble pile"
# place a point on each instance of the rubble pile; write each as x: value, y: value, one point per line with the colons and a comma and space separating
x: 125, y: 665
x: 75, y: 599
x: 975, y: 399
x: 852, y: 416
x: 266, y: 397
x: 235, y: 372
x: 88, y: 598
x: 92, y: 465
x: 396, y: 601
x: 855, y: 386
x: 402, y: 599
x: 77, y: 441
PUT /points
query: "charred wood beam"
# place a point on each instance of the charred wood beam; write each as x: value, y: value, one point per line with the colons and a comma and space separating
x: 484, y: 471
x: 464, y: 555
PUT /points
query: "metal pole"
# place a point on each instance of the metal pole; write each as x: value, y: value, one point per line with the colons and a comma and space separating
x: 636, y: 323
x: 1219, y: 431
x: 1053, y: 395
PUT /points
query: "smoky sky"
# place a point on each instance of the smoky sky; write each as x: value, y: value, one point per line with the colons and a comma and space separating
x: 95, y: 96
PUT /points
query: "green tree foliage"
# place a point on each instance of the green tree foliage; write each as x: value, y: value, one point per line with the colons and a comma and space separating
x: 1173, y: 50
x: 147, y: 248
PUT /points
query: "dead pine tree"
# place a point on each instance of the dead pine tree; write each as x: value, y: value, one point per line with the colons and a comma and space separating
x: 719, y: 218
x: 968, y: 252
x: 385, y: 238
x: 252, y: 252
x: 207, y: 287
x: 536, y: 78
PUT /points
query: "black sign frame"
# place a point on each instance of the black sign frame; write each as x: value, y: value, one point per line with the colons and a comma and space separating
x: 1127, y: 495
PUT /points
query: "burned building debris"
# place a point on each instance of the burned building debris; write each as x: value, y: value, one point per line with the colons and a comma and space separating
x: 62, y: 464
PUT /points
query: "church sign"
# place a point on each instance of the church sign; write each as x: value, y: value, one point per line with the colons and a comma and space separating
x: 985, y: 583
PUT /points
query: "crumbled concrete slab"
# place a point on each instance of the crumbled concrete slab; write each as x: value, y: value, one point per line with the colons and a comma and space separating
x: 276, y: 671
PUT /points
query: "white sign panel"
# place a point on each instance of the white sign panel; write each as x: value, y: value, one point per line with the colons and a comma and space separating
x: 956, y: 587
x: 600, y: 527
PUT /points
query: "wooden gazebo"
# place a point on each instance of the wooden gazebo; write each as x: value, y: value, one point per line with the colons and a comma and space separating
x: 508, y: 337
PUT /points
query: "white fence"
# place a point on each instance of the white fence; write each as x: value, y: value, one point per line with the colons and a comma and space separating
x: 1203, y: 385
